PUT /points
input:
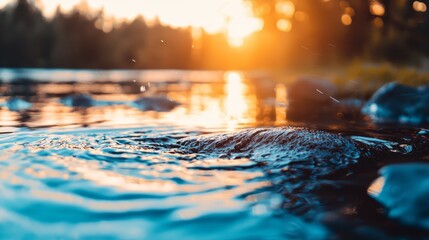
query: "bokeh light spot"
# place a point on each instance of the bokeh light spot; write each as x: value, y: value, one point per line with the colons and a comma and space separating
x: 419, y: 6
x: 378, y: 22
x: 284, y: 25
x: 285, y: 7
x: 376, y: 8
x: 346, y: 19
x: 301, y: 16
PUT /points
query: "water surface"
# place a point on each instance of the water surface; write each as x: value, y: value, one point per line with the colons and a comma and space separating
x: 111, y: 168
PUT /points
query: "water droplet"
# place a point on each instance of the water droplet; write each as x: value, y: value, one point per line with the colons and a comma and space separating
x: 319, y: 91
x: 336, y: 100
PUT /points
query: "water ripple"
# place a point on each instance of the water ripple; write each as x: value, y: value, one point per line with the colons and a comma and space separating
x: 129, y: 183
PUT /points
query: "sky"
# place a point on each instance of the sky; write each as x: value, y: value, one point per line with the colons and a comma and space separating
x: 209, y: 14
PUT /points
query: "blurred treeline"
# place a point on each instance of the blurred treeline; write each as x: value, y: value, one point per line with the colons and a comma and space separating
x: 76, y: 40
x: 296, y: 33
x: 335, y: 31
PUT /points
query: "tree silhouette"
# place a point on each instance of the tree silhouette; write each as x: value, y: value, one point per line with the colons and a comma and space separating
x: 299, y: 33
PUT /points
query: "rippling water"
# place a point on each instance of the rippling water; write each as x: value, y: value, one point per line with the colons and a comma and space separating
x: 81, y: 158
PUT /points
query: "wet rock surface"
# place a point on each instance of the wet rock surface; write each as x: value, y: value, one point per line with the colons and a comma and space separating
x: 78, y: 100
x: 281, y: 147
x: 316, y: 171
x: 397, y: 103
x: 313, y: 99
x: 157, y: 103
x: 17, y: 104
x: 404, y: 191
x: 153, y: 103
x: 310, y: 98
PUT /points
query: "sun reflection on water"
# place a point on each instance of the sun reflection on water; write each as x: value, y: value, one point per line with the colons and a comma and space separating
x: 235, y: 102
x: 232, y: 100
x: 376, y: 187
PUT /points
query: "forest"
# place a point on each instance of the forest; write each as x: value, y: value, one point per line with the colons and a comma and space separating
x: 298, y: 33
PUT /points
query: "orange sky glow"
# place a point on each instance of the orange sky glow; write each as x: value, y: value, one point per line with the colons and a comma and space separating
x: 233, y: 17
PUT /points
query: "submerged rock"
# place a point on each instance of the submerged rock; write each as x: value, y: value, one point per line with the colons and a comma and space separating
x: 17, y: 104
x: 310, y: 98
x: 397, y: 103
x: 78, y: 100
x: 311, y: 89
x: 295, y: 159
x: 404, y: 190
x: 158, y: 104
x: 316, y: 152
x: 301, y: 162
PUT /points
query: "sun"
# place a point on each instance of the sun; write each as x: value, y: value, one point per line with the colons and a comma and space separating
x: 233, y: 17
x: 240, y: 22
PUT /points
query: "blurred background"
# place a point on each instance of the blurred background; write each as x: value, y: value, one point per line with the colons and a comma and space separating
x: 205, y: 34
x: 230, y: 62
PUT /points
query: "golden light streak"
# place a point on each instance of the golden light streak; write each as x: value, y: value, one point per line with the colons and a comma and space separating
x: 235, y: 103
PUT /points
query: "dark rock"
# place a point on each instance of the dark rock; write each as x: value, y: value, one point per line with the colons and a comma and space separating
x: 299, y: 160
x: 295, y: 159
x: 315, y: 151
x: 310, y: 98
x: 17, y: 104
x: 404, y: 191
x: 158, y: 104
x: 349, y: 109
x: 397, y: 103
x: 319, y: 152
x: 311, y: 89
x: 78, y: 100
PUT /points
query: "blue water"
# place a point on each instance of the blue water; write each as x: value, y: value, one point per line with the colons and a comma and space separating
x: 107, y: 166
x: 129, y: 184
